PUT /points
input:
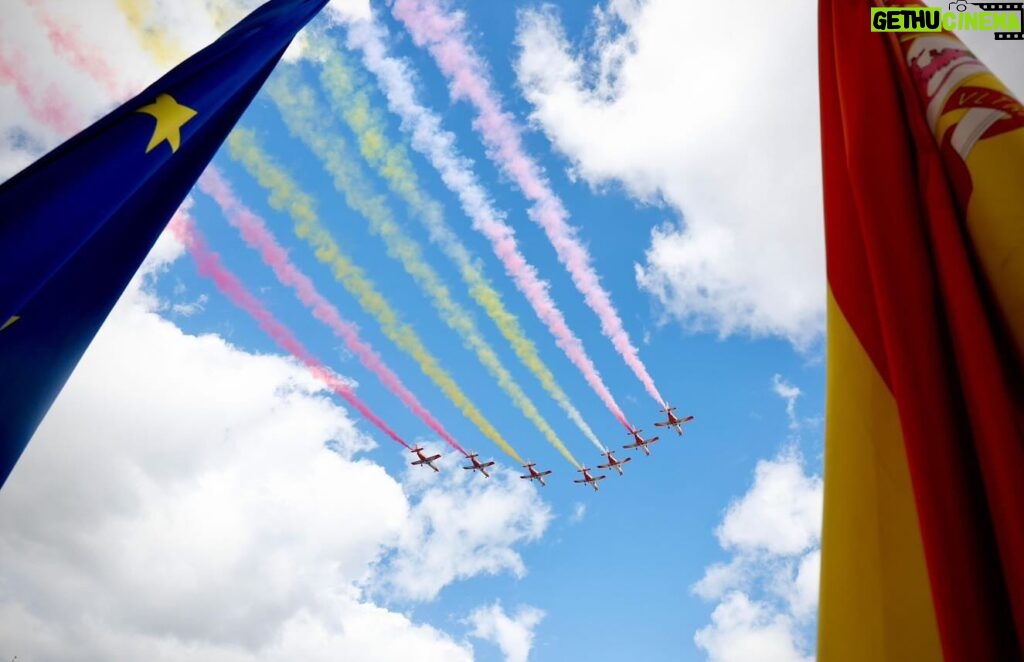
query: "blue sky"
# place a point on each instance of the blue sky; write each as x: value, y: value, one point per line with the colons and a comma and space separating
x: 695, y: 189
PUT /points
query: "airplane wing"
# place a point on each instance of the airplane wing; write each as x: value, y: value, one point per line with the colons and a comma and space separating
x: 631, y: 446
x: 622, y: 461
x: 687, y: 419
x: 608, y: 466
x: 600, y: 477
x: 544, y: 473
x: 487, y: 464
x: 661, y: 425
x: 581, y: 481
x: 433, y: 457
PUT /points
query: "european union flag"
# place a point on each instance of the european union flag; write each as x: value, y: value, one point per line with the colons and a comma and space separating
x: 76, y: 225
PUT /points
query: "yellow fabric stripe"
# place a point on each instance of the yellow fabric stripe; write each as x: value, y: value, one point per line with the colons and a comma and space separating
x: 995, y: 221
x: 875, y: 598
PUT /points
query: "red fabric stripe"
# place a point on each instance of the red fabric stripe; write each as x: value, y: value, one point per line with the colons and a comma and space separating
x: 900, y: 271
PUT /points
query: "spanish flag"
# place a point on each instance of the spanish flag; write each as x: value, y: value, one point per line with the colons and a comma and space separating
x: 923, y: 160
x: 76, y: 224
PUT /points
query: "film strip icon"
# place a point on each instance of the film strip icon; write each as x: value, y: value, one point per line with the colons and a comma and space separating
x: 1005, y: 6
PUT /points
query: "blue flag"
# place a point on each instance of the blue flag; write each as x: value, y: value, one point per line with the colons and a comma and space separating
x: 76, y: 225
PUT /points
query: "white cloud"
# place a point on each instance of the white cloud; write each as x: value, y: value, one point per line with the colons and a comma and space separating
x: 724, y: 130
x: 579, y: 511
x: 179, y: 501
x: 120, y: 61
x: 720, y: 126
x: 789, y: 393
x: 512, y: 634
x: 802, y: 592
x: 347, y: 10
x: 190, y: 308
x: 461, y: 526
x: 767, y: 591
x: 743, y: 630
x: 781, y: 513
x: 185, y: 498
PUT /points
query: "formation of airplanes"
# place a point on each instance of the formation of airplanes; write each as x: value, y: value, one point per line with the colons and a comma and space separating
x: 611, y: 462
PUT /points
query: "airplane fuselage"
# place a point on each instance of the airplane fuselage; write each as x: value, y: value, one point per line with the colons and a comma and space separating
x: 613, y: 463
x: 479, y: 466
x: 589, y: 480
x: 675, y: 423
x: 535, y: 475
x: 424, y: 460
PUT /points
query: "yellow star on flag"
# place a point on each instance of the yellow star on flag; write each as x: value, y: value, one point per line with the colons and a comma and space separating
x: 170, y: 117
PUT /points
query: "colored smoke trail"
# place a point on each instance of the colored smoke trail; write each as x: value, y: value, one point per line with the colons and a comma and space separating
x: 138, y: 13
x: 65, y: 41
x: 298, y: 106
x: 210, y: 266
x: 393, y: 165
x: 443, y: 35
x: 438, y: 146
x: 48, y: 106
x: 285, y: 195
x: 257, y: 236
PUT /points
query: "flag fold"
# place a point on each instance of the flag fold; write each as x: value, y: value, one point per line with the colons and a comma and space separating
x: 923, y: 536
x: 76, y: 224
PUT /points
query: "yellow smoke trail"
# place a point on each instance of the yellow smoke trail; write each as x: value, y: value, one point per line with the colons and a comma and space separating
x: 154, y: 40
x: 286, y: 196
x: 298, y: 105
x: 392, y: 163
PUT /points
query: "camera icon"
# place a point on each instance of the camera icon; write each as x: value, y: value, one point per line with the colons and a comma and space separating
x: 960, y: 6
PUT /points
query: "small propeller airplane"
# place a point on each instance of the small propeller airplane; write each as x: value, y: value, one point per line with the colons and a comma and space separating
x: 534, y: 474
x: 640, y: 442
x: 613, y: 463
x: 477, y: 465
x: 672, y: 421
x: 423, y: 460
x: 588, y: 479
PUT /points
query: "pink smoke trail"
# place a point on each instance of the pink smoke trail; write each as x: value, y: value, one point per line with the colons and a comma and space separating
x: 210, y: 266
x: 65, y: 41
x: 47, y: 106
x: 438, y: 145
x: 443, y: 35
x: 257, y: 236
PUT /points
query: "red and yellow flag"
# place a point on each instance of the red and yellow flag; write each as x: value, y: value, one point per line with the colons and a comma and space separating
x: 923, y: 159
